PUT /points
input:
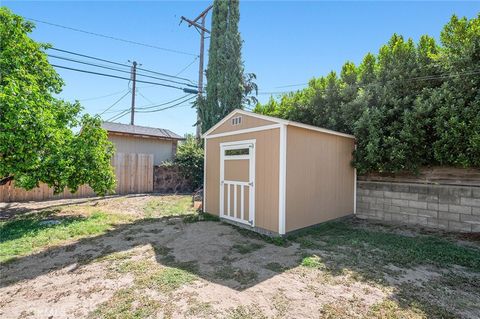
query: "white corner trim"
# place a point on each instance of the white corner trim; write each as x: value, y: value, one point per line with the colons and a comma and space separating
x: 204, y: 204
x: 355, y: 188
x: 282, y: 176
x: 247, y: 130
x: 355, y: 192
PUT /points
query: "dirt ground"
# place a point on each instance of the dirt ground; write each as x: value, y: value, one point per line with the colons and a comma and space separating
x: 163, y: 263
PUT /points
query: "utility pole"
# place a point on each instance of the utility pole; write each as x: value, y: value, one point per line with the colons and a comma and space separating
x: 200, y: 28
x: 134, y: 77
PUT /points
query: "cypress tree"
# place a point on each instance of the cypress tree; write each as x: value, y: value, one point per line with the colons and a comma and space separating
x: 225, y: 89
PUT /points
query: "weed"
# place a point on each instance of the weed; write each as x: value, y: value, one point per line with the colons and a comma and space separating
x: 127, y: 303
x: 168, y: 206
x: 246, y: 248
x: 243, y: 312
x: 278, y: 241
x: 275, y: 267
x: 237, y: 274
x: 202, y: 217
x: 312, y: 262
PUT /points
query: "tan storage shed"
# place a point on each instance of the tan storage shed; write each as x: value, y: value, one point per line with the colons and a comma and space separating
x: 277, y: 176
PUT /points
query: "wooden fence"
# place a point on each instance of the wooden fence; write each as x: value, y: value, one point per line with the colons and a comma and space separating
x: 134, y: 173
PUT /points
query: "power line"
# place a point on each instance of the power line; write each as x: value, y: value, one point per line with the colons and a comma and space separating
x: 119, y: 115
x: 189, y: 65
x: 115, y: 103
x: 290, y: 85
x: 113, y: 38
x: 146, y: 98
x: 117, y: 70
x: 102, y: 96
x: 147, y: 107
x: 420, y: 78
x: 168, y: 107
x: 117, y: 77
x: 120, y: 64
x: 124, y: 112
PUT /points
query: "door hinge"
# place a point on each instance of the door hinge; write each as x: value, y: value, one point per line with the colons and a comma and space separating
x: 250, y: 184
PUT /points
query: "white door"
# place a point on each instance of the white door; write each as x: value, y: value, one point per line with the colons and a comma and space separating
x: 237, y: 181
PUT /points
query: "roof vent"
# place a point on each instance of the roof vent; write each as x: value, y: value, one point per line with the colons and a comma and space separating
x: 237, y: 120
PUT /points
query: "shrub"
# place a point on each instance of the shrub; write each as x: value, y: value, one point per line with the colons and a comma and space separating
x: 190, y: 161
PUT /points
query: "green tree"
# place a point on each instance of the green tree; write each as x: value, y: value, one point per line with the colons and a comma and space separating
x: 37, y: 141
x: 410, y: 105
x: 227, y: 86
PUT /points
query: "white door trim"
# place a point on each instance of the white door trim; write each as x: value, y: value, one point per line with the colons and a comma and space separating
x: 251, y: 184
x: 282, y: 177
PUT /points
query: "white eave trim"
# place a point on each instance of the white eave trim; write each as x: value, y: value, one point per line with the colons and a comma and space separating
x: 247, y: 130
x: 271, y: 119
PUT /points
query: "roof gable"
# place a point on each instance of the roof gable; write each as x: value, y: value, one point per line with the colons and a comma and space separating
x: 272, y: 120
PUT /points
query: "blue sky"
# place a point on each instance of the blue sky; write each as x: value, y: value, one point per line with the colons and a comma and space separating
x: 285, y: 43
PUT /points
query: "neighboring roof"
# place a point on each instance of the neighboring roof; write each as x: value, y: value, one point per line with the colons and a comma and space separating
x: 140, y: 130
x: 276, y: 120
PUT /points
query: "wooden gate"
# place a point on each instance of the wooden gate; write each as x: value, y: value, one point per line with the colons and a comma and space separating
x: 133, y: 171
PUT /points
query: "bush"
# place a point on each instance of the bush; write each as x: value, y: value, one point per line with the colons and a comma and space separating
x: 190, y: 161
x: 410, y: 105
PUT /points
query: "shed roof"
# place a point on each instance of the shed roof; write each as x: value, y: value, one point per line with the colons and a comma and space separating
x: 140, y: 130
x: 276, y: 120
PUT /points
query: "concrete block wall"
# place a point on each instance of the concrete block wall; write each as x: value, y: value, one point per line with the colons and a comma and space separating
x: 452, y: 208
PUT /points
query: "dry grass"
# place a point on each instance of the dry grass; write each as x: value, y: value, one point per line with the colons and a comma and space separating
x: 153, y: 256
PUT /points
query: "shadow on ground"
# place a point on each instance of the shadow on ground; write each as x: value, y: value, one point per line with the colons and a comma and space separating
x: 238, y: 259
x: 211, y: 250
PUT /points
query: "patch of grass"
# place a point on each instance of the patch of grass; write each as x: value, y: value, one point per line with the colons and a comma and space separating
x: 392, y: 309
x: 244, y: 312
x: 246, y: 248
x: 127, y: 303
x: 168, y: 206
x: 201, y: 217
x: 275, y: 267
x: 382, y: 248
x: 312, y: 262
x: 170, y: 261
x: 278, y: 241
x: 149, y: 274
x: 229, y: 272
x: 30, y: 233
x: 201, y: 310
x: 165, y: 279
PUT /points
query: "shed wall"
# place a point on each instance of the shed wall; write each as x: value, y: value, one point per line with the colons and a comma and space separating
x: 266, y: 179
x: 162, y: 150
x: 247, y: 122
x: 320, y: 178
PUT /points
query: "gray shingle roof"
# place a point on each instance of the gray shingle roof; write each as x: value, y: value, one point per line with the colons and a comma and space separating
x: 139, y: 130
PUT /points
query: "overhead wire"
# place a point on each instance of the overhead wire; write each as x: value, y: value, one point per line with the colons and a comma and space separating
x: 114, y: 38
x: 185, y: 68
x: 166, y: 108
x: 150, y: 106
x: 115, y: 76
x: 421, y: 78
x: 115, y: 103
x: 120, y: 64
x: 102, y: 96
x: 117, y: 70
